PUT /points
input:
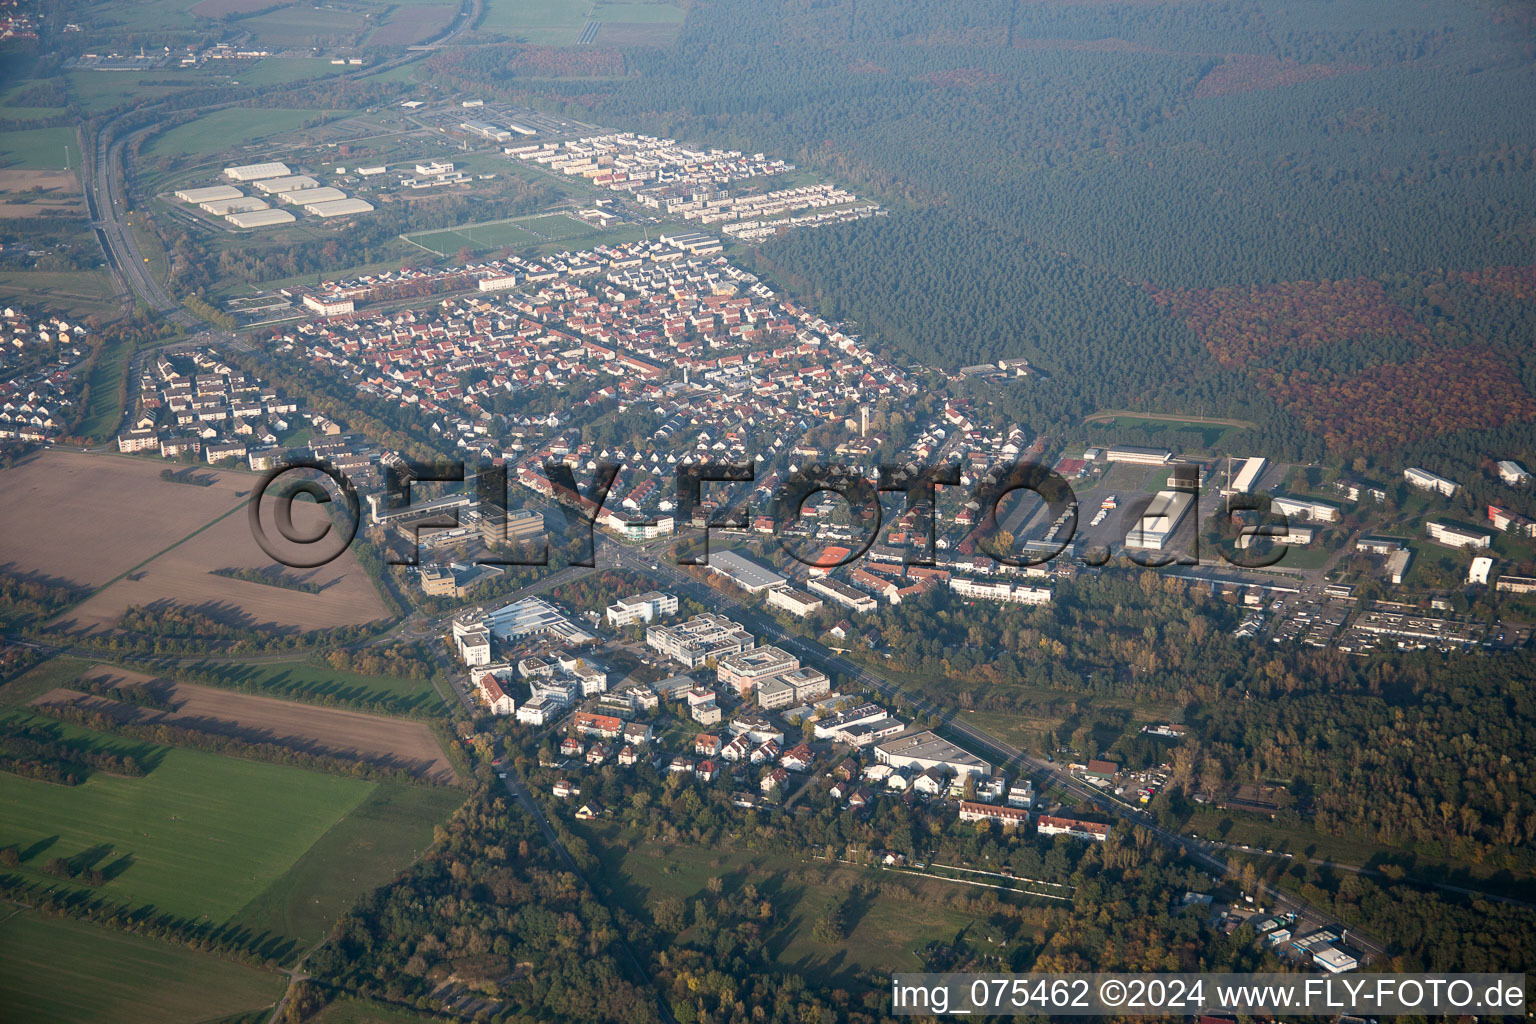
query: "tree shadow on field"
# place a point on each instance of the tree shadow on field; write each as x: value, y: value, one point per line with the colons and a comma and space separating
x: 37, y: 848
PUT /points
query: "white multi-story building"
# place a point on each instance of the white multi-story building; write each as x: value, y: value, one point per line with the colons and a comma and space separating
x: 1513, y: 473
x: 1455, y: 536
x: 795, y: 602
x: 745, y: 669
x: 1001, y: 590
x: 1424, y: 480
x: 647, y: 607
x: 701, y: 638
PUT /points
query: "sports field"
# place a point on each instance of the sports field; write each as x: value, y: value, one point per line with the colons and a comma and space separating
x: 200, y: 836
x: 516, y: 234
x: 57, y: 971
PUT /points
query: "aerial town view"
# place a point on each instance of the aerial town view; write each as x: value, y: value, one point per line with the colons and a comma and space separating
x: 767, y: 512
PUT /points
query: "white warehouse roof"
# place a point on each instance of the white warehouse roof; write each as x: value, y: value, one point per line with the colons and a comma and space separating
x: 255, y: 172
x: 208, y: 194
x: 260, y: 218
x: 305, y: 196
x: 339, y: 207
x: 287, y: 183
x: 240, y: 204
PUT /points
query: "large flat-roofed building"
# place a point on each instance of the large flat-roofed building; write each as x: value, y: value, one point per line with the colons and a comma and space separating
x: 260, y: 218
x: 209, y: 194
x: 924, y: 750
x: 1244, y: 476
x: 1455, y: 536
x: 239, y: 204
x: 1160, y: 521
x: 287, y: 183
x: 339, y: 208
x: 744, y: 669
x: 645, y: 607
x: 745, y: 573
x: 256, y: 172
x: 795, y: 602
x: 325, y: 306
x: 843, y: 594
x: 701, y: 638
x: 999, y: 590
x: 1424, y: 480
x: 534, y: 615
x: 305, y: 196
x: 1138, y: 455
x: 485, y: 130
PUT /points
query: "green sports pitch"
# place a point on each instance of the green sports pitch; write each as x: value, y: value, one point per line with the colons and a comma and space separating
x: 519, y: 233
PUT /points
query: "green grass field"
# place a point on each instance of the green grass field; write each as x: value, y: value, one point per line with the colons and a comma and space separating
x: 300, y: 680
x: 57, y: 971
x: 200, y: 836
x: 363, y: 850
x: 39, y: 149
x: 76, y: 293
x: 518, y: 234
x: 225, y: 129
x: 104, y: 414
x: 347, y: 1010
x: 545, y: 22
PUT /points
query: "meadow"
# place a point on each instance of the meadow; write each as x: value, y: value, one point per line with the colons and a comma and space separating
x: 520, y: 233
x: 544, y: 22
x: 308, y: 680
x: 59, y: 971
x: 224, y: 129
x: 199, y: 836
x: 40, y: 148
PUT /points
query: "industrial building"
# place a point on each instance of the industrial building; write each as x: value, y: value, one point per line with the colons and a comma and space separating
x: 260, y: 218
x: 1137, y: 455
x: 745, y: 573
x: 305, y: 196
x: 924, y: 750
x: 287, y: 183
x: 256, y: 172
x: 1160, y: 521
x: 533, y: 615
x: 485, y: 131
x: 241, y: 204
x: 339, y: 208
x: 209, y: 194
x: 1247, y: 475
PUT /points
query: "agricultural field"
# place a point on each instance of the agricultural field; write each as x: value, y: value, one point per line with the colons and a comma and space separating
x: 394, y: 742
x: 363, y: 850
x: 411, y: 23
x: 637, y: 24
x: 57, y: 971
x: 90, y: 518
x: 544, y: 22
x: 183, y: 576
x: 75, y: 294
x: 199, y: 836
x: 40, y: 149
x: 311, y: 681
x: 27, y: 194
